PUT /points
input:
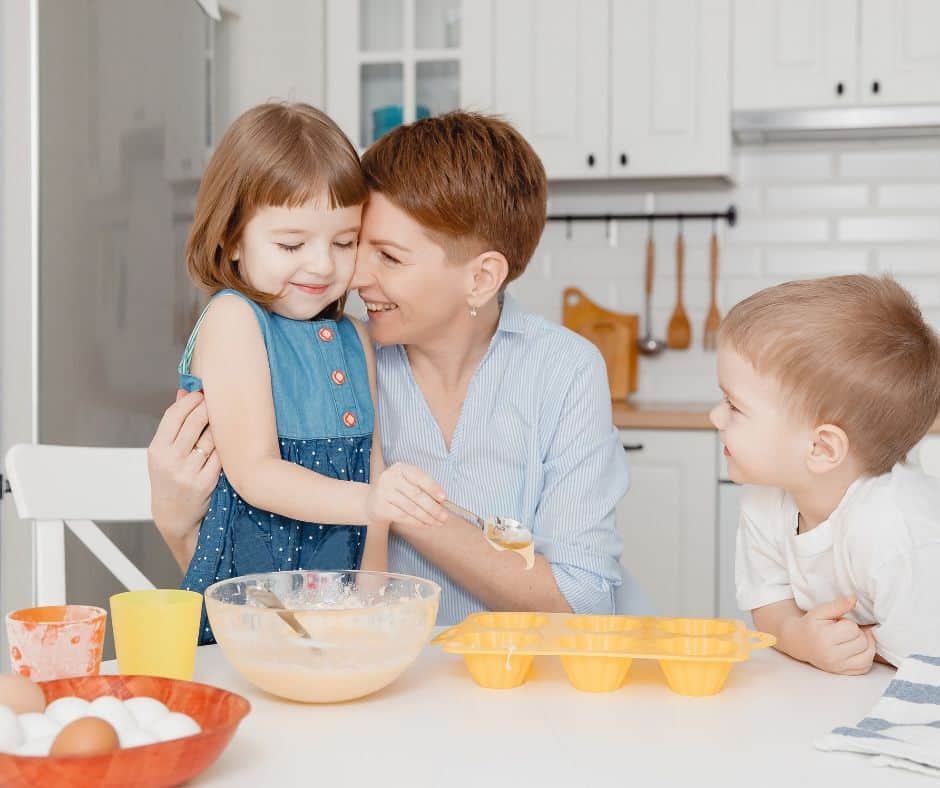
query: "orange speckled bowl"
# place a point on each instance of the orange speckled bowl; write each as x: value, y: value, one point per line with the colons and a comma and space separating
x: 57, y: 641
x: 217, y: 711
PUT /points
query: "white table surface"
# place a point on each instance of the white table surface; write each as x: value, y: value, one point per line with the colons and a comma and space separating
x: 435, y: 727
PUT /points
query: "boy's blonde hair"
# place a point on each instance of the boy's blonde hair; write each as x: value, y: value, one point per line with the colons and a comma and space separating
x: 853, y: 351
x: 274, y: 154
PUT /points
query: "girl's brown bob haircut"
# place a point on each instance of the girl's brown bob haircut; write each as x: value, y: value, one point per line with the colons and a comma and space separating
x: 275, y: 154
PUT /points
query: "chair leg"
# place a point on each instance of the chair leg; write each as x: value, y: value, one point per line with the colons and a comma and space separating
x: 50, y: 562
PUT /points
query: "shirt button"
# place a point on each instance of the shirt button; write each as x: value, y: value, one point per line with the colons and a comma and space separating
x: 326, y: 334
x: 349, y: 419
x: 338, y: 377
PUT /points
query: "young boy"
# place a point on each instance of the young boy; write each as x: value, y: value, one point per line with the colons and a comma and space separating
x: 828, y: 384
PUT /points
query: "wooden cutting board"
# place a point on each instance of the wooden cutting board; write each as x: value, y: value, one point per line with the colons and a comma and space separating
x: 614, y: 333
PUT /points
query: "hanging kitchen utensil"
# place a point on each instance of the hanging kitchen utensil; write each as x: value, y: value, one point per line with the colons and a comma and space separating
x: 648, y: 345
x: 679, y: 334
x: 614, y: 333
x: 713, y: 320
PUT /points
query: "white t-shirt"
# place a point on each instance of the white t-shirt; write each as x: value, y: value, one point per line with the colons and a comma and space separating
x: 881, y: 545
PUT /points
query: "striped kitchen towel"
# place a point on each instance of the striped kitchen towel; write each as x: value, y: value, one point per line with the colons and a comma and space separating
x: 903, y: 729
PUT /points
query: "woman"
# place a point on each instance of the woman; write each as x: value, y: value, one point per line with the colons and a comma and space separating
x: 508, y: 412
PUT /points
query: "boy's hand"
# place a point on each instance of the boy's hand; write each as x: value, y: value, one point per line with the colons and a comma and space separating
x: 833, y: 643
x: 407, y: 495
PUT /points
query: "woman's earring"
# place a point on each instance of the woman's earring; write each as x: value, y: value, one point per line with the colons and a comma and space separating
x: 473, y: 311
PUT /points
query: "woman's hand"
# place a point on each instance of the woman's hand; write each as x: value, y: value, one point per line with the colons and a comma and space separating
x: 184, y: 468
x: 407, y: 495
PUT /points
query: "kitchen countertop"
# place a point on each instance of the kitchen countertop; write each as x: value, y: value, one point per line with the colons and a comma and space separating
x: 631, y: 415
x: 435, y: 727
x: 651, y: 415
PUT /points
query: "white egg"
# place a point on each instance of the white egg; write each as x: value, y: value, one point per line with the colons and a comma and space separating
x: 40, y: 746
x: 11, y: 734
x: 112, y: 710
x: 38, y: 726
x: 174, y: 726
x: 145, y: 710
x: 68, y: 709
x: 137, y: 737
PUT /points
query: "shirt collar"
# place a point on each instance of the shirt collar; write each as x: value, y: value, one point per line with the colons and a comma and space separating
x: 511, y: 318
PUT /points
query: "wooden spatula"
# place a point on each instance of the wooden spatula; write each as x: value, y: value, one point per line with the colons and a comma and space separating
x: 713, y: 320
x: 679, y: 333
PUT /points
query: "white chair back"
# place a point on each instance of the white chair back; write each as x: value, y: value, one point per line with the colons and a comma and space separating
x: 73, y: 486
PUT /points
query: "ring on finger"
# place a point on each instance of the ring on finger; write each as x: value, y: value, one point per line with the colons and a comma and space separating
x: 201, y: 450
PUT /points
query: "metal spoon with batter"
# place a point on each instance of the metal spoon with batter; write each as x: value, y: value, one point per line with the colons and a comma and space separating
x: 503, y: 531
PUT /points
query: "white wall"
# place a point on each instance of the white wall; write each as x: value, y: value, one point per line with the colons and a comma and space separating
x: 294, y: 52
x: 17, y: 410
x: 804, y: 210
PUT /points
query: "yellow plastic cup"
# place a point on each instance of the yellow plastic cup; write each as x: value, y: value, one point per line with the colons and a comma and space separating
x: 156, y: 632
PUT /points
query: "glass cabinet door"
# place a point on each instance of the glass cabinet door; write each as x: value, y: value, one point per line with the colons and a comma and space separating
x: 405, y: 57
x: 381, y: 98
x: 381, y: 25
x: 437, y: 87
x: 437, y: 24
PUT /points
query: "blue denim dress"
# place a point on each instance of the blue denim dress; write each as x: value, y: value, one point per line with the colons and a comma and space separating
x: 324, y: 413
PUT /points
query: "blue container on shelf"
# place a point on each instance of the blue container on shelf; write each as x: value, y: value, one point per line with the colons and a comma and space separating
x: 384, y: 119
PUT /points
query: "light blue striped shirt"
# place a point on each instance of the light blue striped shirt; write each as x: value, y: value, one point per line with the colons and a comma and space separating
x: 535, y: 441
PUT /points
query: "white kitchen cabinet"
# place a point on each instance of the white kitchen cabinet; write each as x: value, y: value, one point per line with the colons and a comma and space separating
x: 552, y: 66
x: 617, y: 88
x: 667, y: 519
x: 900, y: 52
x: 670, y: 88
x: 393, y: 61
x: 800, y: 54
x: 795, y: 54
x: 729, y: 516
x: 265, y: 51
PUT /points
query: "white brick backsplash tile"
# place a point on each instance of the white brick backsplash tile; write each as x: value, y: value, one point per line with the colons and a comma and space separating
x: 780, y: 231
x: 759, y: 165
x: 919, y: 196
x: 908, y: 261
x: 803, y: 263
x: 925, y: 290
x: 735, y: 290
x: 695, y: 292
x: 591, y: 234
x: 741, y: 261
x: 815, y: 199
x: 572, y: 265
x: 891, y: 164
x: 889, y: 228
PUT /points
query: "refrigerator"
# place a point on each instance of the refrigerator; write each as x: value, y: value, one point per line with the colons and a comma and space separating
x: 125, y: 108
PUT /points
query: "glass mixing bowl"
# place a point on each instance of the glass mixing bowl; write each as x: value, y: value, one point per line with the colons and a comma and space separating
x: 365, y: 629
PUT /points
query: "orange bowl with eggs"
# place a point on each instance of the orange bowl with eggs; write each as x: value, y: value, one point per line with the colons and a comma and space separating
x: 217, y: 711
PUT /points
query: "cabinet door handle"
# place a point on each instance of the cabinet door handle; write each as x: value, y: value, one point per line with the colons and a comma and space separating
x: 840, y: 88
x: 590, y: 160
x: 876, y: 87
x: 633, y: 447
x: 623, y: 160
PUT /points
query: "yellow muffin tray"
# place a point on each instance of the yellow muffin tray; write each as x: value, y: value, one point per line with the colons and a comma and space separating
x: 695, y: 654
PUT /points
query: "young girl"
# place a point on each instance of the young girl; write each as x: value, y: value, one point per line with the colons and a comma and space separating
x: 289, y: 382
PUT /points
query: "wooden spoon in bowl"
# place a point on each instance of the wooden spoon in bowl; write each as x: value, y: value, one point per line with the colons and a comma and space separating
x: 679, y: 333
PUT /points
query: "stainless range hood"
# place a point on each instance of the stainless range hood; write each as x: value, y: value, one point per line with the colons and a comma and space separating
x: 856, y: 123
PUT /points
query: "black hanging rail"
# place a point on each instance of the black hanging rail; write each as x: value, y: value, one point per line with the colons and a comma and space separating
x: 730, y: 216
